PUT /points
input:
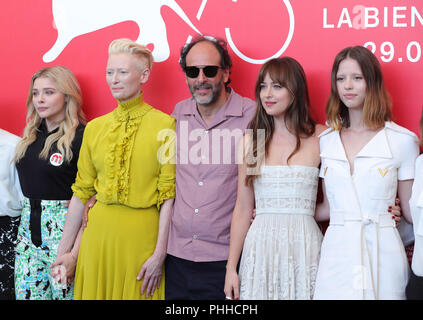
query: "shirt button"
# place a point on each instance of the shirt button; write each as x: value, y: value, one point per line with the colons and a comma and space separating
x: 196, y: 210
x: 195, y: 236
x: 200, y: 183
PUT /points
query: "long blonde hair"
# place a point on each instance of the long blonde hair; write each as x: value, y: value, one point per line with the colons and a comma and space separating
x: 67, y: 84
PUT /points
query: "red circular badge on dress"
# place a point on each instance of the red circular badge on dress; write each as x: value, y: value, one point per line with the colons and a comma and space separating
x: 56, y: 159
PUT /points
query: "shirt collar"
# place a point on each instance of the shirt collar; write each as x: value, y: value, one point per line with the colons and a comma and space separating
x: 336, y: 150
x: 377, y: 147
x: 43, y: 128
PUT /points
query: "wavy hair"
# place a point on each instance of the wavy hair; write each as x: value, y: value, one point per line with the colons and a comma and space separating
x: 377, y: 104
x: 67, y: 84
x: 289, y: 74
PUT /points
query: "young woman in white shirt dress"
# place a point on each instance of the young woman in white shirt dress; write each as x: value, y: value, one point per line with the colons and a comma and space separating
x: 414, y: 288
x: 366, y: 160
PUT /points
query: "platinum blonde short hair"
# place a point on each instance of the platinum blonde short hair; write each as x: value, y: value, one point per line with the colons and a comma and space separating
x: 140, y: 52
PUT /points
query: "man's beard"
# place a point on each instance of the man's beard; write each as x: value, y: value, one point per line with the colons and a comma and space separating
x: 212, y: 98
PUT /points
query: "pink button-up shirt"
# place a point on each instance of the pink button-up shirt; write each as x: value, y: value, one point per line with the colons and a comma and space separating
x: 206, y: 178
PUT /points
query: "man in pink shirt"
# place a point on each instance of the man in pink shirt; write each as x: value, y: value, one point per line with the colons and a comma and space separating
x: 209, y: 126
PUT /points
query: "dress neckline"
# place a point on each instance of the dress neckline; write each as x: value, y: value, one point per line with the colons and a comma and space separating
x: 131, y: 109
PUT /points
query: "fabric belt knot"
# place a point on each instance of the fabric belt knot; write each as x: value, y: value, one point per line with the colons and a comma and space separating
x: 383, y: 220
x: 364, y: 253
x: 366, y: 221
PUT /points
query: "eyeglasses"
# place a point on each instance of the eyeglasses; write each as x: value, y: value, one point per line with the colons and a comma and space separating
x: 209, y: 71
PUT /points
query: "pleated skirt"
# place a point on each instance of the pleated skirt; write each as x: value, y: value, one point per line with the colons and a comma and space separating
x: 280, y: 258
x: 114, y: 246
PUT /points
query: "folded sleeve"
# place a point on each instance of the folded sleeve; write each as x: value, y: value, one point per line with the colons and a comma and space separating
x: 408, y: 154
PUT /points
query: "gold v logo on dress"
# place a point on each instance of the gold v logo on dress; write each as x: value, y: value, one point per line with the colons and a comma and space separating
x: 382, y: 173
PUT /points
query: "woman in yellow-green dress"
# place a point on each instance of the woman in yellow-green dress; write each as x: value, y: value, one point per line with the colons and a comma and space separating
x: 126, y: 159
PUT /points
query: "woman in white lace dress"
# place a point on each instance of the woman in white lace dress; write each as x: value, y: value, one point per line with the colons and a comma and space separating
x: 279, y: 176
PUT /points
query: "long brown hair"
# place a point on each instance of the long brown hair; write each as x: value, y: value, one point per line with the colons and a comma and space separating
x: 288, y: 73
x: 377, y: 104
x: 66, y: 83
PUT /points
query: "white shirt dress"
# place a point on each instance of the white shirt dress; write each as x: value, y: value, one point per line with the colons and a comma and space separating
x: 416, y: 207
x: 362, y: 255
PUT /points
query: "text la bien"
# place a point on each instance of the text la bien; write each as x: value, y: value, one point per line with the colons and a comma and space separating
x: 370, y: 17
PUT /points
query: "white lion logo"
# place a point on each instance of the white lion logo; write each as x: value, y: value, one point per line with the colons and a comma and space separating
x: 77, y: 17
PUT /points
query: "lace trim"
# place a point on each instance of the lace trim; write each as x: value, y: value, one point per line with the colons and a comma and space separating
x: 283, y: 189
x: 280, y: 258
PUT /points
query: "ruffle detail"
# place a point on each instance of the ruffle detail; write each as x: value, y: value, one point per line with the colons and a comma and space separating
x: 165, y: 193
x: 131, y: 109
x: 128, y: 117
x: 81, y: 193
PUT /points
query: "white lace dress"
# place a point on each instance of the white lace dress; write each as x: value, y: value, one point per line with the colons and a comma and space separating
x: 282, y: 248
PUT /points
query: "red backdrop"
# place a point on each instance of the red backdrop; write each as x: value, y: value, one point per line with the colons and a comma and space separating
x: 310, y: 31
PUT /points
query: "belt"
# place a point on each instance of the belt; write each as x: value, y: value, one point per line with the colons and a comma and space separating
x: 380, y: 221
x: 35, y: 222
x: 35, y: 217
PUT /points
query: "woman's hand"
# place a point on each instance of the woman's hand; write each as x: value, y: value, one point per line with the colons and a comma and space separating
x: 395, y: 211
x: 253, y: 215
x: 151, y: 271
x: 231, y: 285
x: 88, y: 205
x: 63, y: 269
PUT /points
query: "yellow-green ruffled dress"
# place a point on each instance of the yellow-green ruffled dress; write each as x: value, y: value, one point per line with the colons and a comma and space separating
x: 119, y: 161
